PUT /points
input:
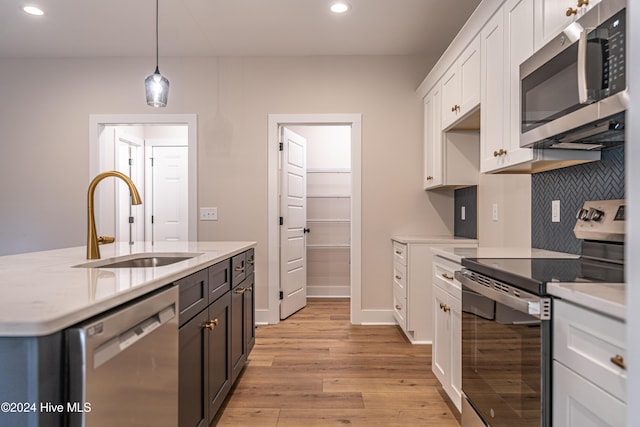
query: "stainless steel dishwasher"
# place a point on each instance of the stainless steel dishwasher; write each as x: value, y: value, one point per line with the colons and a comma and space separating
x: 123, y: 367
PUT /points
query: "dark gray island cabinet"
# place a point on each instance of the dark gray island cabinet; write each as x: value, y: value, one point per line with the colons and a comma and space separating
x: 217, y: 324
x: 211, y: 332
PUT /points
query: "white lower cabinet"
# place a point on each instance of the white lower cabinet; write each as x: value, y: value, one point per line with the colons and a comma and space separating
x: 589, y: 372
x: 446, y: 304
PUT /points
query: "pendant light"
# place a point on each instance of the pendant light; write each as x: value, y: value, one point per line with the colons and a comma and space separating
x: 156, y: 86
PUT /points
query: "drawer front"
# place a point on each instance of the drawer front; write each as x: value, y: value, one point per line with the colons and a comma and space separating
x: 400, y: 277
x: 250, y: 260
x: 238, y: 268
x: 219, y: 280
x: 399, y: 310
x: 400, y: 252
x: 193, y: 294
x: 443, y: 271
x: 588, y: 342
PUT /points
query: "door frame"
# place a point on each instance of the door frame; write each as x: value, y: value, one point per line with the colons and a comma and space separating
x: 272, y: 314
x: 98, y: 121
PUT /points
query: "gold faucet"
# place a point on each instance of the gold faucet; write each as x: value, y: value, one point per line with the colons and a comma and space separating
x: 93, y: 252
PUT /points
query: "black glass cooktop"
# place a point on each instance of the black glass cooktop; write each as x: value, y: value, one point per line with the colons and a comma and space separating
x: 532, y: 274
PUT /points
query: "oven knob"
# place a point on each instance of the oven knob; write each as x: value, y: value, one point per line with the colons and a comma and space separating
x: 595, y: 214
x: 583, y: 215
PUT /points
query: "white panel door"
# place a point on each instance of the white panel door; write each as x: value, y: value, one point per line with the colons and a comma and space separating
x: 293, y: 211
x: 129, y: 219
x: 170, y: 181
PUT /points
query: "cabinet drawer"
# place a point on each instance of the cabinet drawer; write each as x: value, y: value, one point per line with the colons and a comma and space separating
x: 443, y: 271
x: 399, y: 309
x: 400, y: 252
x: 193, y: 294
x: 400, y: 277
x: 250, y: 260
x: 238, y: 268
x: 219, y: 280
x: 587, y: 342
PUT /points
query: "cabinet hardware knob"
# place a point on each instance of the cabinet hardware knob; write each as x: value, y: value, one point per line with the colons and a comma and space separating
x: 211, y: 324
x: 248, y: 289
x: 429, y: 178
x: 398, y: 253
x: 496, y: 154
x: 398, y: 277
x: 571, y: 11
x: 240, y: 291
x: 453, y: 109
x: 457, y: 107
x: 618, y: 361
x: 503, y: 151
x: 446, y: 276
x: 239, y: 268
x: 444, y: 307
x: 583, y: 3
x: 398, y: 307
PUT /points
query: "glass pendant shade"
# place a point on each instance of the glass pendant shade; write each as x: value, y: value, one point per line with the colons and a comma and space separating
x: 156, y: 87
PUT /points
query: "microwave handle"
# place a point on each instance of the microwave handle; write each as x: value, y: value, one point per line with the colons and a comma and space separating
x: 582, y: 68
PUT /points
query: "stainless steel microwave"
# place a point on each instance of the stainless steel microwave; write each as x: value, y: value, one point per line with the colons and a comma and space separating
x: 573, y: 91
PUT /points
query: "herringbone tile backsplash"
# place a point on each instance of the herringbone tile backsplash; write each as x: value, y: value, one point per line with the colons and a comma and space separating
x: 574, y: 185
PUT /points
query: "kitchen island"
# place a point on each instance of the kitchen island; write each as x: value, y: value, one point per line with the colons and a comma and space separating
x: 47, y: 294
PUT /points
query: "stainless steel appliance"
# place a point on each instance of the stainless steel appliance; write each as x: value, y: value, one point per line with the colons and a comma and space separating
x: 573, y: 90
x: 123, y: 366
x: 506, y: 320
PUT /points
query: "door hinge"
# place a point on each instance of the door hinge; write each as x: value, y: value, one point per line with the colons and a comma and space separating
x: 130, y: 162
x: 281, y: 295
x: 151, y: 158
x: 281, y: 220
x: 152, y: 219
x: 281, y: 146
x: 130, y: 220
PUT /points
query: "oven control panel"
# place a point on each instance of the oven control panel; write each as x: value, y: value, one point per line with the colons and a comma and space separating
x: 601, y: 220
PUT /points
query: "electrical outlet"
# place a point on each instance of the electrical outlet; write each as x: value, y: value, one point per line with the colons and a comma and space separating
x: 494, y: 212
x: 555, y: 211
x: 208, y: 214
x: 463, y: 213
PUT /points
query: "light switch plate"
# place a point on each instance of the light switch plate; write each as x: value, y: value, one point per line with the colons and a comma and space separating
x: 208, y: 214
x: 555, y: 211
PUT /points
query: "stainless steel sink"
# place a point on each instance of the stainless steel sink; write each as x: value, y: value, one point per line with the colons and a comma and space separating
x: 142, y: 260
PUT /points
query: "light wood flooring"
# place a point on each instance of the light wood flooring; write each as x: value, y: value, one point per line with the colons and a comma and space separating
x: 316, y: 369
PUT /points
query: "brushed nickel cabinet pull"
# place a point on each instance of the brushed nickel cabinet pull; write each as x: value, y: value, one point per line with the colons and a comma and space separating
x: 446, y: 276
x: 618, y: 361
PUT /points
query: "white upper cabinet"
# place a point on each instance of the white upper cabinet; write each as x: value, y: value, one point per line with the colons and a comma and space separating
x: 492, y: 92
x: 553, y: 16
x: 432, y: 139
x: 461, y: 85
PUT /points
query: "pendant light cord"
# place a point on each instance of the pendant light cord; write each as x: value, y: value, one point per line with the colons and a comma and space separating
x: 157, y: 36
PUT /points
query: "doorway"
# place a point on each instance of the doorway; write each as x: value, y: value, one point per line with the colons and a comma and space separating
x: 351, y: 251
x: 159, y: 153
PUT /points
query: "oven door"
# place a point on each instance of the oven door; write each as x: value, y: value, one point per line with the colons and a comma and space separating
x: 505, y: 356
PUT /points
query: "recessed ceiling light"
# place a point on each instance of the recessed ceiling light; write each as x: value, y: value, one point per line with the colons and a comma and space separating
x: 32, y: 10
x: 340, y: 7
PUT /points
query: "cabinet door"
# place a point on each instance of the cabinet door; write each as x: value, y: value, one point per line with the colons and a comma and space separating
x: 219, y: 353
x: 580, y: 403
x: 492, y: 92
x: 551, y: 17
x: 238, y: 343
x: 455, y: 350
x: 193, y: 294
x: 469, y: 71
x: 432, y: 139
x: 249, y: 315
x: 450, y: 95
x: 441, y: 351
x: 193, y: 372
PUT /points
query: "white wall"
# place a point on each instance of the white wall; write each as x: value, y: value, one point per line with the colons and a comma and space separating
x: 44, y: 150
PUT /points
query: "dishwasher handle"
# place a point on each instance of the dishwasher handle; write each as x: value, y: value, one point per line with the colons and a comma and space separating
x: 132, y: 335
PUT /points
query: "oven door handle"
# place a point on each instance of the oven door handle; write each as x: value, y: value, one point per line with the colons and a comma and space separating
x: 526, y: 303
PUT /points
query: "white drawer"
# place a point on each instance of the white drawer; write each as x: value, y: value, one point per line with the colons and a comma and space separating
x: 400, y: 309
x: 587, y: 342
x: 400, y: 252
x: 443, y: 271
x: 400, y: 276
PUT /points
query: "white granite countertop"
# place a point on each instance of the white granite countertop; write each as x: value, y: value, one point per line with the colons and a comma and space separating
x: 456, y: 254
x: 443, y: 239
x: 606, y: 298
x: 42, y: 292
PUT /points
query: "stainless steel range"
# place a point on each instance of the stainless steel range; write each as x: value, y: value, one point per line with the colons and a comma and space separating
x: 506, y: 320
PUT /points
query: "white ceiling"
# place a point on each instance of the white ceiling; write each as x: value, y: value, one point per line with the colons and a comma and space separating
x: 88, y: 28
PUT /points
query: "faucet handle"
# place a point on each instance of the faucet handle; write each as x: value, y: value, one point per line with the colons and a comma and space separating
x: 103, y: 240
